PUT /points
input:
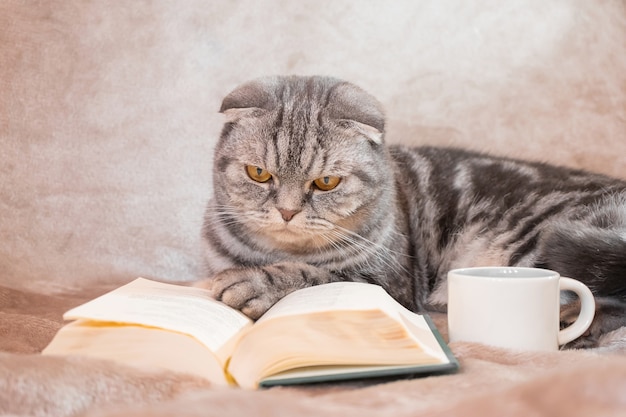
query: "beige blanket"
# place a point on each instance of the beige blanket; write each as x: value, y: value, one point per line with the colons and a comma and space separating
x: 108, y: 117
x: 492, y: 382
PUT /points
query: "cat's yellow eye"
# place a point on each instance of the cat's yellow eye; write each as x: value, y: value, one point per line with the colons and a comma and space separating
x: 327, y: 183
x: 258, y: 174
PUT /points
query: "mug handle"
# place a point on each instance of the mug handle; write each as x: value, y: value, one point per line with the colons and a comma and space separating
x: 587, y: 310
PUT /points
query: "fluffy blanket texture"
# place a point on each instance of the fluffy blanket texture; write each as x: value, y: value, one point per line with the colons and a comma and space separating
x: 492, y: 382
x: 108, y: 115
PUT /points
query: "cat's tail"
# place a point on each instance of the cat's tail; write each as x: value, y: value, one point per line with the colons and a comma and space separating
x: 592, y: 251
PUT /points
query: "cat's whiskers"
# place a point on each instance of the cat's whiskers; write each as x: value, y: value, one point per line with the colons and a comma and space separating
x: 369, y: 250
x: 227, y: 216
x: 376, y: 244
x: 327, y: 237
x: 330, y: 242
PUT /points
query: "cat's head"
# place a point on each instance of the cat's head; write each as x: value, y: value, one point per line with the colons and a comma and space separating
x: 300, y: 162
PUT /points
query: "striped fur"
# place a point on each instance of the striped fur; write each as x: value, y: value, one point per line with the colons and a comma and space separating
x: 400, y: 217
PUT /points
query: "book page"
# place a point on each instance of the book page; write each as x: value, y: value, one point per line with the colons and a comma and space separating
x: 419, y: 329
x: 138, y: 346
x: 186, y: 310
x: 332, y: 297
x: 334, y: 331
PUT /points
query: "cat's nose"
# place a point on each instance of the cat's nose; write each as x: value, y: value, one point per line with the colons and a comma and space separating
x: 288, y: 214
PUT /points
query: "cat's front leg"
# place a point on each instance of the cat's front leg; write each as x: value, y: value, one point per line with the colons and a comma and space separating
x: 254, y: 290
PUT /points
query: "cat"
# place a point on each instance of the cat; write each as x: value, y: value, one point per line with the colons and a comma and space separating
x: 307, y: 192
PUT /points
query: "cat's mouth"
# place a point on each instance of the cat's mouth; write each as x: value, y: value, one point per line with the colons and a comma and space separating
x: 295, y: 238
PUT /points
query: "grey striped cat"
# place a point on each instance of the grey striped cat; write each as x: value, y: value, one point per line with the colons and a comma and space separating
x: 306, y: 192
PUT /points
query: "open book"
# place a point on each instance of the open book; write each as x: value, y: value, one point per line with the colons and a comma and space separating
x: 330, y: 332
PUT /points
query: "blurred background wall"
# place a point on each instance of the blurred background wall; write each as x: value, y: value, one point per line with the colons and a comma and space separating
x: 108, y: 109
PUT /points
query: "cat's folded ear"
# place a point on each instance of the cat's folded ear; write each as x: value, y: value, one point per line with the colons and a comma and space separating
x: 248, y: 99
x: 348, y: 105
x: 356, y: 109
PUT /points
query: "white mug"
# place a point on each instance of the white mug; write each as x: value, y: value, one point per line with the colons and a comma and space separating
x: 513, y: 307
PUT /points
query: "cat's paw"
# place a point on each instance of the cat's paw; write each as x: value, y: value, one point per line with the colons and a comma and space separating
x: 247, y: 290
x: 610, y: 315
